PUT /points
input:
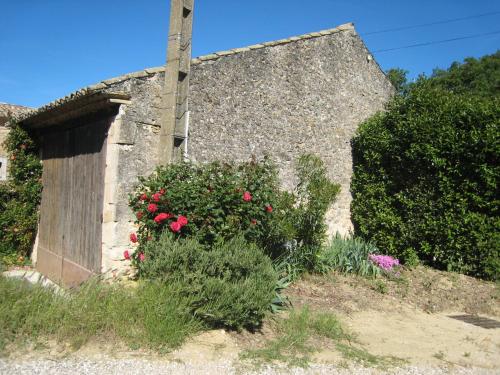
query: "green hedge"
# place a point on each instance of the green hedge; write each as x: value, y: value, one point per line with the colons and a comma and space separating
x: 425, y: 181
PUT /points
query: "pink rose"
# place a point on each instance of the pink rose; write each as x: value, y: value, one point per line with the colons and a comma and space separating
x: 142, y: 257
x: 182, y: 220
x: 143, y: 197
x: 269, y: 208
x: 162, y: 191
x: 133, y: 237
x: 156, y: 197
x: 175, y: 227
x: 152, y: 207
x: 139, y: 215
x: 126, y: 255
x: 247, y: 197
x: 161, y: 217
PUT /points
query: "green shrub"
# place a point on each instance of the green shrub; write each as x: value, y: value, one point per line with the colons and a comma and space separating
x: 154, y: 315
x: 232, y: 284
x: 20, y: 196
x: 298, y: 227
x: 217, y: 200
x: 425, y: 181
x: 348, y: 255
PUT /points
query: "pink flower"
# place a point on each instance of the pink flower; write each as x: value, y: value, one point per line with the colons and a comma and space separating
x: 269, y: 208
x: 126, y: 255
x: 386, y: 262
x: 247, y: 197
x: 133, y: 237
x: 152, y: 207
x: 161, y: 217
x: 142, y: 257
x: 182, y: 220
x: 162, y: 191
x: 139, y: 215
x: 143, y: 197
x: 175, y: 227
x: 156, y: 197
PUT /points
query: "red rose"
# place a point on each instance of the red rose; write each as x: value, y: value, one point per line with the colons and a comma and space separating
x: 247, y: 197
x: 253, y: 221
x: 152, y: 207
x: 162, y: 191
x: 175, y: 226
x: 143, y: 197
x: 162, y: 216
x: 133, y: 237
x: 126, y: 255
x: 142, y: 257
x: 269, y: 208
x: 139, y: 215
x: 156, y: 197
x: 182, y: 220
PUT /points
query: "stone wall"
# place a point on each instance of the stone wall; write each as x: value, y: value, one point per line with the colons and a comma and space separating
x: 307, y: 96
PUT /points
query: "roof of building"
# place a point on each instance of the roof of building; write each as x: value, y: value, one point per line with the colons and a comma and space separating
x: 99, y: 87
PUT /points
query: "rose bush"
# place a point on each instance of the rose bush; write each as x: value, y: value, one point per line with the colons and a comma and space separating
x: 212, y: 202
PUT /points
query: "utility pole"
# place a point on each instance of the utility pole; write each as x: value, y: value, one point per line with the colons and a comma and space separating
x: 175, y: 115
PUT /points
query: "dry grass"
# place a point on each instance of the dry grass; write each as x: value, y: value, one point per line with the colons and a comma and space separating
x: 422, y: 287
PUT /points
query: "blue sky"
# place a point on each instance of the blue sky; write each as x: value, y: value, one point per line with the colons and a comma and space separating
x: 50, y: 48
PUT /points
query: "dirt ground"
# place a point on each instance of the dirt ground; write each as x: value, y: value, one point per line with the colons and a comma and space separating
x: 407, y: 318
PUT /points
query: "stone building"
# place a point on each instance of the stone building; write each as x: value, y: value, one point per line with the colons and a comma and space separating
x: 304, y: 94
x: 6, y: 111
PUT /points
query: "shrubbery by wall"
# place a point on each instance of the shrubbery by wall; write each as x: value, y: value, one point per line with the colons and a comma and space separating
x: 426, y: 177
x: 19, y: 197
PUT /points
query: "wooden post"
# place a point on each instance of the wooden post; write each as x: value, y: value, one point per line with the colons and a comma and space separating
x: 176, y: 86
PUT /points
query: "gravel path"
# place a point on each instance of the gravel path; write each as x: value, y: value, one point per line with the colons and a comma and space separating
x: 145, y: 367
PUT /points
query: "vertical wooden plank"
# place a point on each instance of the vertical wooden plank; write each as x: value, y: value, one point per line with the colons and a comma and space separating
x: 72, y: 201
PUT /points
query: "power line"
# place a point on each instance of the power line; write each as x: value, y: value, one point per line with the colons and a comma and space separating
x: 430, y: 23
x: 436, y: 42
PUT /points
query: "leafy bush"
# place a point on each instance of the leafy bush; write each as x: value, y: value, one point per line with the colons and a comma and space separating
x: 20, y: 196
x: 214, y: 201
x: 217, y: 201
x: 425, y: 182
x: 348, y: 255
x: 298, y: 227
x: 153, y: 315
x: 232, y: 284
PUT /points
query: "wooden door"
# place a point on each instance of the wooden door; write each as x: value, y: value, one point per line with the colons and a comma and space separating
x: 70, y: 238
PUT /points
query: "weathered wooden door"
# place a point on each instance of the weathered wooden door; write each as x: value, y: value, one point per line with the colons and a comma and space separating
x: 70, y: 238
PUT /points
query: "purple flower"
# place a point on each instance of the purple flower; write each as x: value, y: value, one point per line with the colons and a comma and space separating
x: 386, y: 262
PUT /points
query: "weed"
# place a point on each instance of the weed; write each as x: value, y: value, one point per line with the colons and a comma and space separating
x: 380, y: 287
x: 439, y: 355
x: 298, y: 336
x: 153, y: 315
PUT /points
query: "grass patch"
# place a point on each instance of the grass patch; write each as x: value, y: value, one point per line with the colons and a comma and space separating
x: 153, y: 315
x: 304, y: 333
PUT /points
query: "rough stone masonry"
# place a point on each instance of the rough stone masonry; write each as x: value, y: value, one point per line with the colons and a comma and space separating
x: 304, y: 94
